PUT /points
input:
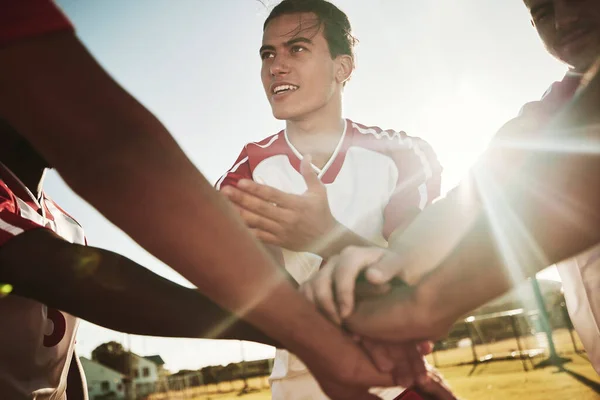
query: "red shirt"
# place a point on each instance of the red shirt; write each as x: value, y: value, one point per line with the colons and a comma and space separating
x: 20, y: 19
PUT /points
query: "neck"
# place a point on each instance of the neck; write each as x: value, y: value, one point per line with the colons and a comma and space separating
x: 318, y: 134
x: 32, y: 177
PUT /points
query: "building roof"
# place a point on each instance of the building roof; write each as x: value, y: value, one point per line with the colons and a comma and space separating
x: 156, y: 359
x: 87, y: 360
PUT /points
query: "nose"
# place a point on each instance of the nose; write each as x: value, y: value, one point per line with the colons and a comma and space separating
x: 279, y: 65
x: 566, y: 13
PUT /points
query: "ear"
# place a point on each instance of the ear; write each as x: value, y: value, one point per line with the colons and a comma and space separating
x: 344, y: 68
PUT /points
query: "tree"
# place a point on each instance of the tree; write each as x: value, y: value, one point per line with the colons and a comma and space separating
x: 114, y: 356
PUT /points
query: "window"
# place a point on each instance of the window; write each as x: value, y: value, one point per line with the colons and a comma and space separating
x: 146, y: 371
x: 105, y: 386
x: 119, y: 387
x: 137, y: 373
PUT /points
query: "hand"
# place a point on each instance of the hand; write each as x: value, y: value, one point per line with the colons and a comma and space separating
x: 333, y: 288
x: 405, y: 360
x: 434, y: 384
x: 403, y: 314
x: 294, y: 222
x: 348, y: 375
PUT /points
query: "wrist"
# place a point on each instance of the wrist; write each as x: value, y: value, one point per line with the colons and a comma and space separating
x: 330, y: 242
x: 286, y: 322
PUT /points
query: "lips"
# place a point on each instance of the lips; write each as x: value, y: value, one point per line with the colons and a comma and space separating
x: 573, y: 39
x: 281, y: 88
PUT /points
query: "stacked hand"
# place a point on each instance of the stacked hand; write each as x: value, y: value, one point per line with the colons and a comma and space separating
x: 380, y: 354
x: 380, y: 306
x: 359, y: 289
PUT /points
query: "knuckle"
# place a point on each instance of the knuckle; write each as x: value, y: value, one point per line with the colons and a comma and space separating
x: 348, y: 252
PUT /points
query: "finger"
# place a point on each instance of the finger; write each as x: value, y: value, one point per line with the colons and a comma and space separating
x: 416, y: 361
x: 351, y: 262
x: 313, y: 183
x: 266, y: 237
x: 379, y: 354
x: 409, y: 362
x: 425, y: 347
x: 436, y: 386
x: 267, y: 193
x: 385, y: 270
x: 256, y: 221
x: 323, y: 291
x: 250, y: 202
x: 403, y: 375
x: 365, y: 290
x: 306, y: 290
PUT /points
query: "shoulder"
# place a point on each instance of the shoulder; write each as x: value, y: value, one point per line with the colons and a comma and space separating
x: 266, y: 145
x: 270, y: 146
x: 385, y: 139
x: 396, y: 144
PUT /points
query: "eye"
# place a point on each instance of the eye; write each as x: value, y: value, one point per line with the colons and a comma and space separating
x: 266, y: 54
x: 542, y: 13
x: 297, y: 49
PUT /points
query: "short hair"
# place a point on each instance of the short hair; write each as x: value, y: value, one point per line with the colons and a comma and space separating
x: 336, y: 26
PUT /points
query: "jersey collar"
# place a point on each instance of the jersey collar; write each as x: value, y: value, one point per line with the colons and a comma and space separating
x: 328, y: 173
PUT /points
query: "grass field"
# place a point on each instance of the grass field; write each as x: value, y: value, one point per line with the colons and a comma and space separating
x: 498, y: 380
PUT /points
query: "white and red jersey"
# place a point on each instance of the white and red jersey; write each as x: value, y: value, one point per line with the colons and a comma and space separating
x: 36, y: 342
x: 377, y: 180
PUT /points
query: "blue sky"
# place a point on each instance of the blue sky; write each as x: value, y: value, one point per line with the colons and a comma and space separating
x: 450, y: 72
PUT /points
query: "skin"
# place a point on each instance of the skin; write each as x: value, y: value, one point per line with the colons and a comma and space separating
x: 115, y: 140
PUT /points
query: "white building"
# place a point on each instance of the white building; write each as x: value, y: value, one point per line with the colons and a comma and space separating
x: 146, y: 375
x: 103, y: 383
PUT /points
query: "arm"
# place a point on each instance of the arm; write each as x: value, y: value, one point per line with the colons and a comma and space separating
x: 117, y: 152
x: 110, y: 290
x: 111, y: 137
x: 537, y: 208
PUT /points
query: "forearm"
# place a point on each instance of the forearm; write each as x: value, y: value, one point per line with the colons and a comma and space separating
x: 538, y: 211
x: 115, y: 292
x: 470, y: 276
x: 434, y: 234
x: 113, y: 153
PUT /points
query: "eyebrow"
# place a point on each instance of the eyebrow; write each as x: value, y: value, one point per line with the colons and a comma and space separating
x: 538, y: 7
x: 289, y: 43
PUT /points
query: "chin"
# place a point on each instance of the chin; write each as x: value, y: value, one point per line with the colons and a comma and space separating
x: 582, y: 61
x: 284, y: 114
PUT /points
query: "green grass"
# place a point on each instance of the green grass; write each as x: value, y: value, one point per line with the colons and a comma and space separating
x: 499, y: 380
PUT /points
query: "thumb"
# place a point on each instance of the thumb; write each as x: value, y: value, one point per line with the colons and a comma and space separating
x: 313, y: 183
x: 385, y: 270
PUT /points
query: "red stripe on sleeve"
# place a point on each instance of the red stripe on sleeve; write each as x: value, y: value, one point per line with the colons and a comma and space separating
x: 239, y: 170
